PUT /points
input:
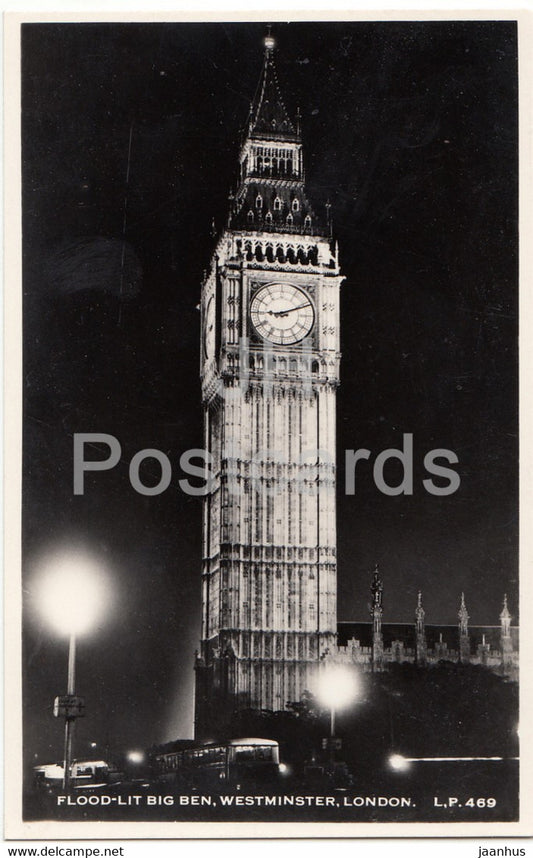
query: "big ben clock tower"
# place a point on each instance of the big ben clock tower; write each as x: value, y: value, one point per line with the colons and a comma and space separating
x: 270, y: 370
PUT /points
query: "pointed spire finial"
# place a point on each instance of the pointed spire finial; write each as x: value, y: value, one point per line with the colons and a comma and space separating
x: 269, y: 115
x: 377, y: 589
x: 419, y: 615
x: 505, y: 610
x: 269, y: 41
x: 463, y: 616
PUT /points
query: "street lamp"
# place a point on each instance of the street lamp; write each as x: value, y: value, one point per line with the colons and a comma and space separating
x: 136, y: 757
x: 399, y: 763
x: 71, y: 591
x: 338, y: 686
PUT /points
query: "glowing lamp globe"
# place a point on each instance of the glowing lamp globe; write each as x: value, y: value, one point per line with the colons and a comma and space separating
x: 135, y: 757
x: 398, y: 763
x: 270, y: 43
x: 338, y: 686
x: 71, y: 593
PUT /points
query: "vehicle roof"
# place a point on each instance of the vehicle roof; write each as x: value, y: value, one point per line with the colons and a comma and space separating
x: 47, y: 766
x: 252, y: 741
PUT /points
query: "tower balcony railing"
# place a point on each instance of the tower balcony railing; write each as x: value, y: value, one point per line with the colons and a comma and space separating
x: 279, y: 224
x: 273, y: 172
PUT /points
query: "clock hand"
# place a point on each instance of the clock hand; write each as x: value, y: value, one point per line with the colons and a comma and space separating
x: 285, y: 312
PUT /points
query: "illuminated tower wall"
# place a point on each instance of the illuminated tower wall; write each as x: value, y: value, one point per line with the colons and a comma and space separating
x: 269, y: 370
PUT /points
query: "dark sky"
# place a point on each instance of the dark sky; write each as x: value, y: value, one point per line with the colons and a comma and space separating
x: 410, y: 130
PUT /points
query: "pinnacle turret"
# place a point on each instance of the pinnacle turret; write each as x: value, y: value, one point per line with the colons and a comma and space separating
x: 505, y: 614
x: 377, y: 589
x: 464, y: 640
x: 419, y: 612
x: 421, y: 644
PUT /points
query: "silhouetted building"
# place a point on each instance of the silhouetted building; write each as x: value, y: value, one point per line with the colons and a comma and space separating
x: 495, y: 647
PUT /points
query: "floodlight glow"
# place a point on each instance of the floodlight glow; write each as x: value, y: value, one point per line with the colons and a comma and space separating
x: 71, y: 592
x: 337, y: 686
x: 457, y: 759
x: 135, y: 756
x: 399, y: 763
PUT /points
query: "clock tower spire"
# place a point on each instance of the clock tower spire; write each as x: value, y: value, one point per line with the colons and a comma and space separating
x: 269, y: 370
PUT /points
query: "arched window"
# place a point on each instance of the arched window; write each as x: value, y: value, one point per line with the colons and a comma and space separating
x: 259, y: 201
x: 269, y: 252
x: 313, y: 256
x: 314, y: 367
x: 268, y: 217
x: 307, y: 222
x: 295, y: 206
x: 290, y: 219
x: 250, y: 215
x: 277, y: 204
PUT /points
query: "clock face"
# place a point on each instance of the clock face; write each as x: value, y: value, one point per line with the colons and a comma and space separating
x: 282, y: 314
x: 209, y: 324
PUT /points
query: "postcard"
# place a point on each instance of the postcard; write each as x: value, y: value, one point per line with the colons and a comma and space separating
x: 267, y: 579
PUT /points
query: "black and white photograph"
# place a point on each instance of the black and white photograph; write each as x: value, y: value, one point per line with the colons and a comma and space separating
x: 270, y: 568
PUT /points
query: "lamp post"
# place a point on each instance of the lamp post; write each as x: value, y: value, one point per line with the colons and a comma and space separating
x: 70, y: 593
x: 338, y: 686
x: 70, y: 720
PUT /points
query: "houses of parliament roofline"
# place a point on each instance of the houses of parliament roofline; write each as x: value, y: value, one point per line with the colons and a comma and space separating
x: 375, y: 645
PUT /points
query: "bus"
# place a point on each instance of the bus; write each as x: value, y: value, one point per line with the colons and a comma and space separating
x: 233, y: 762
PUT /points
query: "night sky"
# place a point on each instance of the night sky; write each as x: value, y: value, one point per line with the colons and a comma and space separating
x: 410, y: 131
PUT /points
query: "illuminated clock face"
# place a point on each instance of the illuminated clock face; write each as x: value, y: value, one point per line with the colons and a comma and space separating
x: 282, y: 314
x: 209, y: 324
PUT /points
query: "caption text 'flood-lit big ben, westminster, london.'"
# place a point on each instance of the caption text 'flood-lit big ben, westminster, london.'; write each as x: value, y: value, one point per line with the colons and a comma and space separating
x: 269, y: 369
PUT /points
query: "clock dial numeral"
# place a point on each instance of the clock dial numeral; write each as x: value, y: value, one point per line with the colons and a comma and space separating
x: 209, y: 324
x: 282, y: 314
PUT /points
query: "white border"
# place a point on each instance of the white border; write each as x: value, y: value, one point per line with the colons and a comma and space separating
x: 246, y: 10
